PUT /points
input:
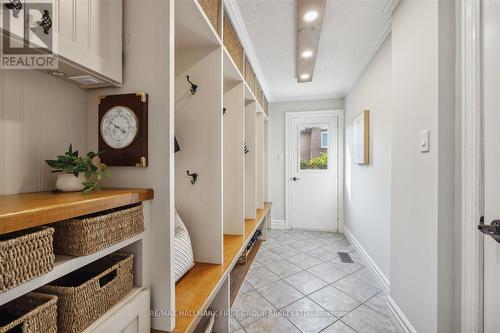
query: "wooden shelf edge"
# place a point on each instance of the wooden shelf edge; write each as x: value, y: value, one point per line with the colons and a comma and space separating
x: 28, y: 210
x: 188, y: 323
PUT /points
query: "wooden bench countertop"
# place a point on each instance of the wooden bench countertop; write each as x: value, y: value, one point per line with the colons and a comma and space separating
x: 195, y: 290
x: 27, y: 210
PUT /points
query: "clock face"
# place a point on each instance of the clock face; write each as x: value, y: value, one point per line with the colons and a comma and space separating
x: 119, y: 127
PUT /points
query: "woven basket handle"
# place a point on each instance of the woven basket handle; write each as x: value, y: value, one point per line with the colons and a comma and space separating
x: 109, y: 277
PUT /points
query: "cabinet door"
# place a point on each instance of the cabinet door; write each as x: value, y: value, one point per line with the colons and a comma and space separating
x: 133, y: 317
x: 90, y: 36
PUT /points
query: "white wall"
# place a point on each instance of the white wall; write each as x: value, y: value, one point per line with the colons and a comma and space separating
x: 422, y: 228
x: 277, y: 146
x: 368, y: 187
x: 40, y: 116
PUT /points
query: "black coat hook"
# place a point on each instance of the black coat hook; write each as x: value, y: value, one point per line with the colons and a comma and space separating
x: 176, y: 145
x: 194, y: 87
x: 15, y: 6
x: 194, y: 177
x: 46, y: 22
x: 224, y: 111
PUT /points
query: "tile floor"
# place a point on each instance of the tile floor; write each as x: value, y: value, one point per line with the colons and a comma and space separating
x: 298, y: 284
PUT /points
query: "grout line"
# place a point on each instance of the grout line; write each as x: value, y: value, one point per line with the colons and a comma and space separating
x: 286, y: 304
x: 330, y: 261
x: 365, y: 303
x: 236, y: 318
x: 323, y: 330
x: 305, y: 296
x: 346, y: 324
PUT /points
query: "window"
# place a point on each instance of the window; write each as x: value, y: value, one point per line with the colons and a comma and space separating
x: 324, y: 139
x: 313, y: 147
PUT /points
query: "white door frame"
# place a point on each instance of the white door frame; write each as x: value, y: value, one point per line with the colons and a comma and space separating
x: 470, y: 53
x: 340, y: 180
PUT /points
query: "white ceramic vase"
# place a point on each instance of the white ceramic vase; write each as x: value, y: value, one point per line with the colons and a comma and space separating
x: 67, y: 182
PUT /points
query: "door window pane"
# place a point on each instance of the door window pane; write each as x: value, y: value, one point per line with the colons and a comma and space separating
x: 324, y: 139
x: 313, y: 147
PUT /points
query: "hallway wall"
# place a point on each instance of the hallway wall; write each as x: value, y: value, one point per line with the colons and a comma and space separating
x: 410, y: 194
x: 422, y: 228
x: 277, y: 147
x: 368, y: 187
x: 40, y: 115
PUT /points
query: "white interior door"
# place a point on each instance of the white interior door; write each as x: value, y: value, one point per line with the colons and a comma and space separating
x: 313, y: 176
x: 491, y: 85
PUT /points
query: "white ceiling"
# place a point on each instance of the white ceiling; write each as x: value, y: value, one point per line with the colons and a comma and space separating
x: 352, y: 32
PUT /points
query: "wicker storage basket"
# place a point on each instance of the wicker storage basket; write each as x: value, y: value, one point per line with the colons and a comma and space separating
x: 249, y: 75
x: 89, y: 234
x: 232, y: 44
x: 86, y: 294
x: 25, y: 255
x: 211, y: 9
x: 31, y: 313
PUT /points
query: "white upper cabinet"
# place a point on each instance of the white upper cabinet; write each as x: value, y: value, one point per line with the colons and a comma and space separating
x: 90, y: 38
x: 87, y: 36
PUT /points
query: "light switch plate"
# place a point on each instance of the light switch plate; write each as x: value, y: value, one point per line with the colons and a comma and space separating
x: 424, y: 141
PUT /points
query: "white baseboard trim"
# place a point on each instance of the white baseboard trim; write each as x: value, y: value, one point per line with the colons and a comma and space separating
x: 377, y: 272
x: 399, y: 320
x: 278, y: 224
x: 401, y: 323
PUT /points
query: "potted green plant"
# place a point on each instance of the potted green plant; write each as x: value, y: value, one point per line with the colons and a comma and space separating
x: 75, y: 173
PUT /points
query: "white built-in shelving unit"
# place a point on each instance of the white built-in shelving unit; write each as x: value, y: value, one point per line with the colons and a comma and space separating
x: 129, y: 312
x: 227, y: 204
x: 212, y: 126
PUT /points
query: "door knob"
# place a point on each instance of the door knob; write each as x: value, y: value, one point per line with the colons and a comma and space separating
x: 493, y: 229
x: 295, y: 179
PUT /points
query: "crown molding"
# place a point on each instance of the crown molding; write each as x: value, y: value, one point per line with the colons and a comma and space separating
x: 390, y: 6
x: 384, y: 33
x: 236, y: 18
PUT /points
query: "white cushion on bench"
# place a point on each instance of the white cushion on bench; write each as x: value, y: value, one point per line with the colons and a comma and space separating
x: 184, y: 259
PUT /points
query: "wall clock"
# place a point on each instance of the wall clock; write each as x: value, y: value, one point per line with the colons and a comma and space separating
x: 123, y: 129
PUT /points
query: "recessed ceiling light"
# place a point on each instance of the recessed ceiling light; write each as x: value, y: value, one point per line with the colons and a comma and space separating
x: 307, y: 54
x: 305, y: 76
x: 311, y: 16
